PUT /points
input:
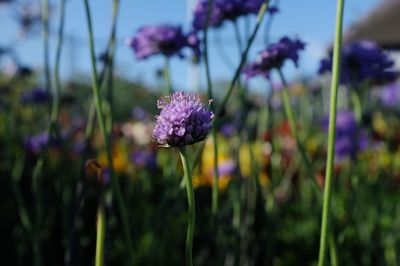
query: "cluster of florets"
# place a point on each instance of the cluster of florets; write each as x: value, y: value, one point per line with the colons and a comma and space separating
x: 362, y: 61
x: 274, y: 56
x: 183, y: 120
x: 166, y: 40
x: 223, y: 10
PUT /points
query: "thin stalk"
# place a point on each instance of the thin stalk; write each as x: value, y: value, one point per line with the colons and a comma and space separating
x: 57, y: 84
x: 331, y: 132
x: 333, y: 251
x: 214, y: 196
x: 110, y: 57
x: 101, y: 232
x: 292, y: 121
x: 46, y: 50
x: 101, y: 121
x: 357, y: 107
x: 167, y: 78
x: 243, y: 58
x: 191, y: 207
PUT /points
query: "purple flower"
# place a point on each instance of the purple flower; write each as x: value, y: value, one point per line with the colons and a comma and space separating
x: 228, y: 130
x: 36, y: 143
x: 145, y: 159
x: 274, y: 56
x: 183, y: 120
x: 139, y: 113
x: 390, y: 95
x: 362, y: 61
x: 223, y: 10
x: 35, y: 96
x: 349, y: 139
x: 166, y: 40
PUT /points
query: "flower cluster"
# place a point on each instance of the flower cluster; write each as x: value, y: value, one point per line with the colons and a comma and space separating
x: 390, y: 95
x: 35, y: 96
x: 183, y: 120
x: 223, y: 10
x: 349, y: 139
x: 274, y: 56
x: 36, y: 143
x: 362, y: 61
x: 166, y: 40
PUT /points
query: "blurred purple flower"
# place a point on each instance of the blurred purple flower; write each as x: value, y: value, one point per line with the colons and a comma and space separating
x: 349, y: 139
x: 139, y: 113
x: 145, y: 158
x: 226, y: 167
x: 274, y: 56
x: 36, y: 143
x: 227, y: 130
x: 223, y: 10
x: 362, y: 61
x: 390, y: 95
x: 163, y: 39
x: 183, y: 120
x: 35, y: 96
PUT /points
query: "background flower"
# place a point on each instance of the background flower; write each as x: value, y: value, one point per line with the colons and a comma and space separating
x: 167, y: 40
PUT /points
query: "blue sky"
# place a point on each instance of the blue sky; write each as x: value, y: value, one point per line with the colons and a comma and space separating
x: 310, y: 20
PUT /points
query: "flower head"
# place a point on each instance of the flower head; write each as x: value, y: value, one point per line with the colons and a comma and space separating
x: 163, y: 39
x: 183, y: 120
x: 35, y: 96
x: 362, y: 61
x: 349, y: 139
x: 223, y: 10
x: 274, y: 56
x: 390, y: 95
x: 36, y: 143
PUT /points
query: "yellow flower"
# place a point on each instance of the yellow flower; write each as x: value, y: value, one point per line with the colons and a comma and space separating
x: 256, y: 151
x: 120, y: 158
x: 379, y: 124
x: 225, y: 166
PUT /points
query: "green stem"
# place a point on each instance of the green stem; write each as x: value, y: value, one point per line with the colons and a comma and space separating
x: 292, y: 121
x: 46, y: 51
x: 191, y: 207
x: 100, y: 117
x: 357, y: 107
x: 214, y: 196
x: 57, y: 84
x: 331, y: 132
x: 167, y: 78
x: 101, y: 231
x: 243, y: 58
x: 332, y: 251
x: 110, y: 61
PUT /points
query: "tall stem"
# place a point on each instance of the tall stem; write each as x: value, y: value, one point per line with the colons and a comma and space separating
x: 46, y: 51
x: 101, y: 231
x: 191, y: 207
x: 110, y: 61
x: 57, y: 84
x: 214, y: 197
x: 102, y: 126
x: 243, y: 58
x: 292, y: 121
x: 331, y: 132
